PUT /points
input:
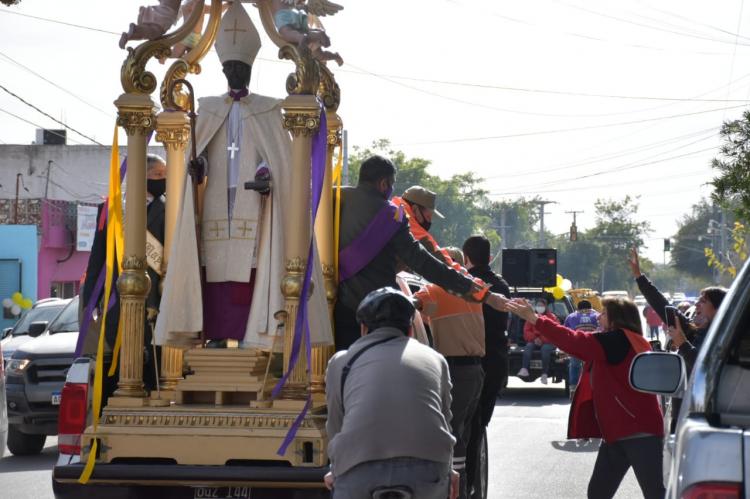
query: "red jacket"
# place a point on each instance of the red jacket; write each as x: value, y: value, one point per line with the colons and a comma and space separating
x: 604, y: 405
x: 530, y: 332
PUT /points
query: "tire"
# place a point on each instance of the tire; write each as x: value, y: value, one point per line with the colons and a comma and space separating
x: 480, y: 488
x: 24, y: 444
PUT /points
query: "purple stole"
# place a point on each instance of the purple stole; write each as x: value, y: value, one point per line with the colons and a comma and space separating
x: 370, y: 242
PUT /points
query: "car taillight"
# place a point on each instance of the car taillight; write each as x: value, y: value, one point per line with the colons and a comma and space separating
x: 713, y: 490
x: 72, y: 419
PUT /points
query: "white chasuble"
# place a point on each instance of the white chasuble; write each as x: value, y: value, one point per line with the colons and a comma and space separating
x: 253, y: 237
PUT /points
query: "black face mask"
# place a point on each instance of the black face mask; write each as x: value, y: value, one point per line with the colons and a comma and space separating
x: 426, y: 225
x: 156, y: 187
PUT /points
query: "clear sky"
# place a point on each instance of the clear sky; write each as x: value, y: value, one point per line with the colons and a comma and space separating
x: 569, y: 99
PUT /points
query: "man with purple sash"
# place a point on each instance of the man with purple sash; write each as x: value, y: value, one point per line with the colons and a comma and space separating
x: 374, y: 237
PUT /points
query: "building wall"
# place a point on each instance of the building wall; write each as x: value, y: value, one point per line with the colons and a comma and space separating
x: 76, y: 173
x: 19, y: 242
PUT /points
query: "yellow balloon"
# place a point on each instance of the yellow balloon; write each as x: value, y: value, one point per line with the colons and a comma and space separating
x: 27, y: 303
x: 558, y: 293
x: 559, y: 281
x: 17, y: 298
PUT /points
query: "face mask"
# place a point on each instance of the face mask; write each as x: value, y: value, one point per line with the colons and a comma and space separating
x: 426, y: 225
x: 156, y: 187
x: 540, y: 309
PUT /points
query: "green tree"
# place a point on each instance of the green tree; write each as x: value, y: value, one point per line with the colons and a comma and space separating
x: 520, y: 218
x: 733, y: 183
x: 688, y: 250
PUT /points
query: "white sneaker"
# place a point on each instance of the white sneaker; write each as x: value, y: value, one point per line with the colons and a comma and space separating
x: 523, y: 373
x: 544, y: 379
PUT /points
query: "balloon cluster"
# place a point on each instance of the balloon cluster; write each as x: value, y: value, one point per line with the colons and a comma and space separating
x: 561, y: 286
x: 16, y: 303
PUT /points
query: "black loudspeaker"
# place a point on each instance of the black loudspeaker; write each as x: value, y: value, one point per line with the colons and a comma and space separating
x: 530, y: 268
x: 543, y: 268
x: 516, y: 267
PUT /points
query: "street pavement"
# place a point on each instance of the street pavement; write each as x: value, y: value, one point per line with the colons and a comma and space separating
x: 529, y: 456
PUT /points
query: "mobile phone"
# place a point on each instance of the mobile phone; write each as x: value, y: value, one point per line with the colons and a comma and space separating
x: 671, y: 314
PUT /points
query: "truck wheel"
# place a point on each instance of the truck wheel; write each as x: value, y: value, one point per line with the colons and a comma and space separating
x: 481, y: 484
x: 24, y: 444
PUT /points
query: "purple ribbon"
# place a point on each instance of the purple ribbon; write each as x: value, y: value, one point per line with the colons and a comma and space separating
x: 368, y: 244
x: 302, y: 326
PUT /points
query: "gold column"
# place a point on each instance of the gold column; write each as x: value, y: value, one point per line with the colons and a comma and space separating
x: 326, y: 249
x: 173, y: 130
x: 302, y: 119
x: 136, y: 116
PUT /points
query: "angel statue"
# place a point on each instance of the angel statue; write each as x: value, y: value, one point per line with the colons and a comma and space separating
x: 155, y: 20
x: 291, y: 19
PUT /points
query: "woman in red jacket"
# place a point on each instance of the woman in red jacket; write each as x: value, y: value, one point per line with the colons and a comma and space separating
x: 629, y: 423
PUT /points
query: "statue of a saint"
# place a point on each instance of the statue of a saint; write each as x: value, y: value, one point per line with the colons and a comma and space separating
x: 242, y: 231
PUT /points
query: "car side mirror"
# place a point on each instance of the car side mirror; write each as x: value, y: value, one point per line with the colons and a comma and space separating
x: 37, y: 328
x: 658, y: 372
x: 6, y: 333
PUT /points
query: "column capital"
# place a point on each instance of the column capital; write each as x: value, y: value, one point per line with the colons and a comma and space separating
x: 136, y: 113
x: 301, y: 115
x: 173, y: 129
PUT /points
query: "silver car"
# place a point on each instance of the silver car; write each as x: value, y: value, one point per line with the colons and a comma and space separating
x: 709, y: 454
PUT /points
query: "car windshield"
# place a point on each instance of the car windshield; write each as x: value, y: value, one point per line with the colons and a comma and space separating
x: 36, y: 314
x: 67, y: 321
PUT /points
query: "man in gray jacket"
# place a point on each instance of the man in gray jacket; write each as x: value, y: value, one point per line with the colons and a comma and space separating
x: 389, y: 401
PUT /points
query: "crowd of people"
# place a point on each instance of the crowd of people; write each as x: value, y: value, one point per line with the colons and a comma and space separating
x: 404, y: 417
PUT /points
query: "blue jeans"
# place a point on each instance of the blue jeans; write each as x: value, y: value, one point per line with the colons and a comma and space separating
x: 528, y: 351
x: 574, y: 370
x: 426, y: 479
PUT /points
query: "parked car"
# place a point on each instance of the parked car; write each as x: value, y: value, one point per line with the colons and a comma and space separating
x: 3, y: 408
x: 709, y: 452
x: 640, y: 300
x: 559, y: 360
x: 678, y: 298
x: 40, y: 315
x: 616, y: 294
x: 35, y: 377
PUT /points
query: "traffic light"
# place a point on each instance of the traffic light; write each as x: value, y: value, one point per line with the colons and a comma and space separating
x: 667, y: 244
x: 573, y: 232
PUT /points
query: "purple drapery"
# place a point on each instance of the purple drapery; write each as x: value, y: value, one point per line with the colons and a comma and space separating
x: 370, y: 241
x: 302, y: 325
x: 88, y: 313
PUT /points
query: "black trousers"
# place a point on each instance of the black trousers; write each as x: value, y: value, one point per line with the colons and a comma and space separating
x: 345, y: 328
x: 495, y: 368
x: 467, y: 387
x: 613, y: 461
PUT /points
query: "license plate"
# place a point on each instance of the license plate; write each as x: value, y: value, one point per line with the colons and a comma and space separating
x: 222, y: 492
x: 56, y: 398
x: 536, y: 364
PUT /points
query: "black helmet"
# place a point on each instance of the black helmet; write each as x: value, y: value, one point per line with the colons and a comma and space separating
x: 386, y: 307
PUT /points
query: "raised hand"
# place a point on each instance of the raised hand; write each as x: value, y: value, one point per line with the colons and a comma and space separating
x: 635, y: 265
x: 523, y: 309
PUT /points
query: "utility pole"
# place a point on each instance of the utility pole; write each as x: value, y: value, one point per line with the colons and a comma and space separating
x: 542, y: 236
x: 46, y: 185
x: 574, y: 227
x: 15, y: 207
x: 503, y: 230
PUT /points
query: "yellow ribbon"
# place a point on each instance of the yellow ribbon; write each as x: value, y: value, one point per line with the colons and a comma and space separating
x: 337, y: 175
x: 115, y: 244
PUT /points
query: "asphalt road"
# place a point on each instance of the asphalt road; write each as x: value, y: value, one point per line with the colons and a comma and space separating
x: 529, y: 456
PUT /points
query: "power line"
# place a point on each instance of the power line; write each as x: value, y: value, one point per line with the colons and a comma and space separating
x: 679, y: 16
x: 39, y: 126
x: 606, y: 157
x: 81, y: 99
x: 55, y: 21
x: 49, y: 116
x: 564, y: 130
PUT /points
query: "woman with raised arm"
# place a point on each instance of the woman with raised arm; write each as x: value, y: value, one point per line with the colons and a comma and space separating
x: 604, y: 406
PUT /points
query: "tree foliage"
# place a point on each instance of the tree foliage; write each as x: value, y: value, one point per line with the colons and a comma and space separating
x: 691, y: 240
x: 733, y: 183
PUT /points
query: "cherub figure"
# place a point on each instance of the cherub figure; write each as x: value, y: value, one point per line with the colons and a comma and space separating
x: 153, y: 22
x: 291, y: 19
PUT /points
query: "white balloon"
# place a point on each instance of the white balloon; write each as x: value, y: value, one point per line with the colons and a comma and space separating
x: 15, y: 309
x: 566, y: 285
x: 7, y: 303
